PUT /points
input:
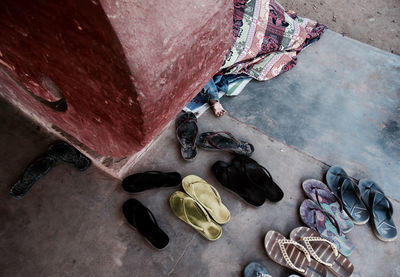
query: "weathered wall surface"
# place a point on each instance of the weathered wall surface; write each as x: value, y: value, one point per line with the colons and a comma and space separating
x: 110, y: 73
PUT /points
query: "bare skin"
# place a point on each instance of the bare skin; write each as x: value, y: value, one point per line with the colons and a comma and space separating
x: 217, y: 108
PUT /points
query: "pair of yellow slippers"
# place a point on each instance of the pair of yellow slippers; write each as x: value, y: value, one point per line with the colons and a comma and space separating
x: 201, y: 207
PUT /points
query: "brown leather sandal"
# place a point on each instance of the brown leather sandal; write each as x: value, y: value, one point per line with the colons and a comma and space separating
x: 323, y: 251
x: 292, y: 254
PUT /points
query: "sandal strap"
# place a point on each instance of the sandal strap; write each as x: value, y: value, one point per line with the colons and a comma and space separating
x: 183, y: 122
x: 374, y: 201
x: 214, y: 190
x: 282, y: 242
x: 334, y: 195
x: 185, y: 214
x: 330, y: 217
x: 312, y: 251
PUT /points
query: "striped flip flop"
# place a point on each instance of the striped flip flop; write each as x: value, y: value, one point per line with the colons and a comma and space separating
x: 292, y: 254
x: 323, y: 251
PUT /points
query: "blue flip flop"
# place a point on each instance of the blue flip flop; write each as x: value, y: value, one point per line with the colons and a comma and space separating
x: 380, y: 208
x: 255, y: 270
x: 343, y: 187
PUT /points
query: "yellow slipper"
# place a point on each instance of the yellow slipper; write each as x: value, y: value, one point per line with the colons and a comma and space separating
x: 207, y: 196
x: 191, y: 212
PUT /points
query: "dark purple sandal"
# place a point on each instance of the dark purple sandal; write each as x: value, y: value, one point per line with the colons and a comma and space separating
x: 325, y: 225
x: 329, y: 202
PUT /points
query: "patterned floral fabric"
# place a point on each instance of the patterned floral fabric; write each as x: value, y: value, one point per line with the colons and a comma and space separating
x: 266, y: 39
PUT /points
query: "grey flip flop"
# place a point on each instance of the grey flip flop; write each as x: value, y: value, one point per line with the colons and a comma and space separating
x: 381, y: 210
x: 343, y: 187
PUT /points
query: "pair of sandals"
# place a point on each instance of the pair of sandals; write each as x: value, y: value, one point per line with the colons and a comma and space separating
x: 324, y: 213
x: 307, y: 253
x: 187, y: 133
x: 58, y: 151
x: 139, y: 216
x: 200, y: 207
x: 248, y: 179
x: 362, y: 201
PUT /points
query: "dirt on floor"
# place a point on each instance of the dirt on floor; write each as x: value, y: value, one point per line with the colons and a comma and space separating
x: 371, y: 21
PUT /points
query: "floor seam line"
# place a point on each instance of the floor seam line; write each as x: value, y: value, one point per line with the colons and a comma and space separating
x: 180, y: 258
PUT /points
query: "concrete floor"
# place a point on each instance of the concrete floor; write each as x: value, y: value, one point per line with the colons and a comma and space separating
x: 70, y: 223
x: 370, y: 21
x: 340, y: 104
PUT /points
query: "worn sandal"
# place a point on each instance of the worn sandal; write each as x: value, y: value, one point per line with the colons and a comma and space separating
x: 31, y: 175
x: 260, y: 176
x: 141, y: 218
x: 380, y: 208
x: 323, y: 251
x: 231, y: 178
x: 207, y: 196
x: 224, y: 141
x: 150, y: 179
x: 329, y: 202
x: 190, y: 211
x: 344, y: 188
x: 292, y: 254
x: 186, y: 133
x: 65, y: 152
x: 325, y: 225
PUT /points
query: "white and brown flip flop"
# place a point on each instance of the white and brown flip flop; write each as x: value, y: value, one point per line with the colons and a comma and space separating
x: 292, y: 254
x: 323, y: 251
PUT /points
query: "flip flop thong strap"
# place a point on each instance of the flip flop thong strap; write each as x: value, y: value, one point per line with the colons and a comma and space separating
x: 186, y: 217
x: 282, y: 242
x: 317, y: 196
x: 209, y: 137
x: 330, y: 217
x: 183, y: 122
x: 374, y: 201
x: 312, y: 251
x: 214, y: 190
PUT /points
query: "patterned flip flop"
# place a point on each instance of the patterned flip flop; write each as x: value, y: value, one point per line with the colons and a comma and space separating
x: 343, y: 187
x: 329, y: 202
x: 323, y: 251
x: 325, y: 225
x: 291, y: 254
x: 381, y: 210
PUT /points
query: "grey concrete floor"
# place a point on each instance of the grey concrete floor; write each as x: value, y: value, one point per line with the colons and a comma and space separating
x: 340, y: 104
x: 70, y: 223
x: 370, y: 21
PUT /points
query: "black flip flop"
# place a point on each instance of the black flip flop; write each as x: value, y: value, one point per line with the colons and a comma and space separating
x: 65, y: 152
x: 380, y: 208
x: 224, y: 141
x: 151, y: 179
x: 31, y: 175
x: 260, y: 176
x: 231, y: 178
x: 186, y: 133
x: 344, y: 188
x: 143, y: 220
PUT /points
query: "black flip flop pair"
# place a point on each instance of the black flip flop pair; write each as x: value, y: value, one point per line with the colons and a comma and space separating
x: 362, y: 201
x: 187, y: 135
x: 248, y: 179
x: 139, y: 216
x: 59, y: 151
